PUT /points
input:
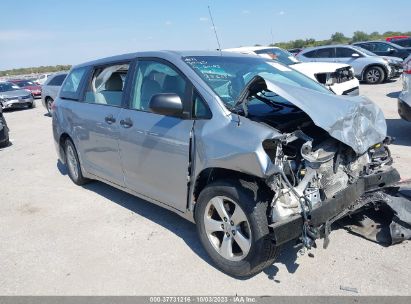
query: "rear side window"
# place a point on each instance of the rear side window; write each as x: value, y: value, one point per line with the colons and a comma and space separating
x: 326, y: 53
x: 107, y: 85
x: 343, y: 52
x: 72, y: 84
x: 57, y: 80
x: 310, y: 54
x: 366, y: 46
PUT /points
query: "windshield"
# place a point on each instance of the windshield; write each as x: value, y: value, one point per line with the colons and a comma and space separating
x: 228, y: 76
x: 7, y: 86
x: 366, y: 52
x: 25, y: 83
x: 278, y: 54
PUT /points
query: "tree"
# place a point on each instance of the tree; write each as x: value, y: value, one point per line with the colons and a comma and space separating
x: 359, y: 36
x: 339, y: 37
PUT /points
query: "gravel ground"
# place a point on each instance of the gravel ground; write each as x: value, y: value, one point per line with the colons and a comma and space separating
x: 60, y: 239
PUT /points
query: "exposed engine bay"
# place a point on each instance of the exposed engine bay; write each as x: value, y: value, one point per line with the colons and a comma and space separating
x: 312, y: 166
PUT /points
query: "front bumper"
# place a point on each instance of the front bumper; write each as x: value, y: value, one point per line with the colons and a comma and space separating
x: 404, y: 110
x: 17, y: 103
x: 291, y: 228
x: 396, y: 70
x: 350, y: 87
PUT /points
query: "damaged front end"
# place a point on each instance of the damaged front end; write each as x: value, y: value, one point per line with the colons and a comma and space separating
x: 318, y: 185
x: 333, y: 161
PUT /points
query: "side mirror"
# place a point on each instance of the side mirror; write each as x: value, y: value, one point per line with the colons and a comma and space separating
x: 391, y: 51
x: 355, y: 55
x: 166, y: 104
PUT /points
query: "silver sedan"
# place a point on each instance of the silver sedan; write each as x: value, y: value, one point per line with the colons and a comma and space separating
x: 12, y: 96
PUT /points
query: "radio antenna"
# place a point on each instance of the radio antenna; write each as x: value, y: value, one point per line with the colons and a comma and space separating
x: 215, y: 31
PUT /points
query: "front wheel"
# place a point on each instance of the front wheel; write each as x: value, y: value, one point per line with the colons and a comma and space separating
x: 232, y: 225
x: 374, y: 75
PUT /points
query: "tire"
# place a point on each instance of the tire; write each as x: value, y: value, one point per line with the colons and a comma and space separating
x: 49, y: 101
x: 73, y: 163
x: 246, y: 195
x: 5, y: 144
x: 32, y: 105
x: 374, y: 75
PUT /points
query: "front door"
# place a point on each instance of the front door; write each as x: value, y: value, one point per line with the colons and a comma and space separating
x: 155, y: 148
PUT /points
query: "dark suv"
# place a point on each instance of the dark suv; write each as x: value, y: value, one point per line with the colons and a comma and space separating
x: 384, y: 48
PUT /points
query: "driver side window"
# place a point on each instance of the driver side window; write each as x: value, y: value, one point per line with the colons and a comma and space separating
x: 153, y: 78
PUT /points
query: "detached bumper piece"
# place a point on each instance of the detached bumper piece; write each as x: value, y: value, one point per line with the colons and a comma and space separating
x: 352, y: 92
x: 342, y: 204
x: 388, y: 220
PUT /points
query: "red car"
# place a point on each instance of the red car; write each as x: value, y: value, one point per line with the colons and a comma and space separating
x: 395, y: 38
x: 34, y: 88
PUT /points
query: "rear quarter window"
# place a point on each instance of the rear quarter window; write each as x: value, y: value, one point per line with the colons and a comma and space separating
x: 71, y: 88
x: 310, y: 54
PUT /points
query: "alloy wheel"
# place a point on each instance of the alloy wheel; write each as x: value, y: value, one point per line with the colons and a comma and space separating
x: 72, y: 161
x: 373, y: 75
x: 227, y: 228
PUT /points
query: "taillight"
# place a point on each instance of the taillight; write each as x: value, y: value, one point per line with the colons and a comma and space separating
x: 407, y: 66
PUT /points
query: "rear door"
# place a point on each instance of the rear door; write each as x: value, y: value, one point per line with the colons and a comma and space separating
x: 95, y: 121
x: 155, y: 149
x: 325, y: 55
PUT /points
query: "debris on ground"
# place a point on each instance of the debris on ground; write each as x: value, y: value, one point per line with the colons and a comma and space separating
x: 351, y: 289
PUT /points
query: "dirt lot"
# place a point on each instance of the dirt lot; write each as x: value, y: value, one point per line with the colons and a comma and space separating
x: 59, y: 239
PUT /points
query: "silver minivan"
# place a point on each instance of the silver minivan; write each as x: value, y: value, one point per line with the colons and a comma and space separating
x: 253, y: 152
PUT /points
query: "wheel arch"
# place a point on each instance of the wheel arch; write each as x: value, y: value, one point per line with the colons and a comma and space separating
x: 63, y: 137
x: 210, y: 175
x: 377, y: 65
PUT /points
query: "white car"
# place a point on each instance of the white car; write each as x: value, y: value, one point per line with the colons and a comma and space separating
x: 404, y: 100
x: 42, y: 78
x: 337, y: 77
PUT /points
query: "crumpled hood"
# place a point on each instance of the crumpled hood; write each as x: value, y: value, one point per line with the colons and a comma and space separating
x: 355, y: 121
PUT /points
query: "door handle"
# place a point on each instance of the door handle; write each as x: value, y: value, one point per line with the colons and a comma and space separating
x: 110, y: 119
x: 126, y: 123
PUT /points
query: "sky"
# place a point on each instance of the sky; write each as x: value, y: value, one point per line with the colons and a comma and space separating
x: 49, y: 32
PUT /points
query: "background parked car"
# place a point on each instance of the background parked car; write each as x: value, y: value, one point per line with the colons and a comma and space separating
x: 12, y: 96
x: 384, y: 48
x: 42, y: 79
x: 337, y: 77
x: 295, y: 51
x: 367, y: 66
x: 4, y: 130
x: 34, y: 88
x: 51, y: 88
x: 391, y: 38
x: 404, y: 100
x: 405, y: 42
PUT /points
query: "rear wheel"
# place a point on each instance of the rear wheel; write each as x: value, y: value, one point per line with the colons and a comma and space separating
x: 49, y: 102
x: 232, y: 225
x: 73, y: 163
x: 374, y: 75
